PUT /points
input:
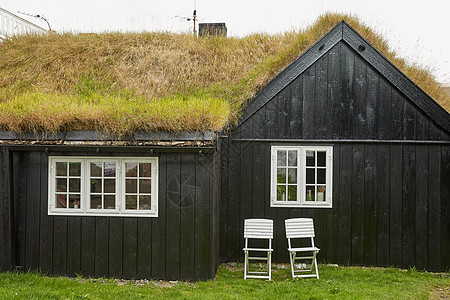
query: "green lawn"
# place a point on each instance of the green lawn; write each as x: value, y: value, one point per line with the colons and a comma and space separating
x: 334, y: 283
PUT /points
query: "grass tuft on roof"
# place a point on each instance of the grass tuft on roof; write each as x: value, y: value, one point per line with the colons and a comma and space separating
x: 125, y: 82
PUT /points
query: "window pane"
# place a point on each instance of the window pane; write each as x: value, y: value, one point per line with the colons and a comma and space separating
x: 281, y: 158
x: 96, y: 201
x: 281, y: 193
x: 110, y: 202
x: 310, y: 158
x: 74, y: 185
x: 292, y: 158
x: 61, y: 201
x: 321, y: 176
x: 96, y: 185
x: 292, y: 195
x: 321, y: 158
x: 131, y: 202
x: 74, y: 201
x: 310, y: 175
x: 96, y: 169
x: 74, y: 169
x: 321, y: 193
x: 131, y: 169
x: 310, y: 193
x: 110, y: 170
x: 61, y: 184
x: 281, y: 175
x: 110, y: 186
x: 61, y: 169
x: 292, y: 175
x: 145, y: 202
x: 145, y: 170
x: 131, y: 186
x: 145, y: 186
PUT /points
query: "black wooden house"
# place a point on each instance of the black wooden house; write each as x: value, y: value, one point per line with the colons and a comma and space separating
x: 340, y: 135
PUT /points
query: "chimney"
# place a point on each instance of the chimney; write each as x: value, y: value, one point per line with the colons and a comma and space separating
x: 207, y: 29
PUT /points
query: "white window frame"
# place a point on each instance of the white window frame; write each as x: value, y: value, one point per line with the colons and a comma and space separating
x: 84, y: 208
x: 301, y: 177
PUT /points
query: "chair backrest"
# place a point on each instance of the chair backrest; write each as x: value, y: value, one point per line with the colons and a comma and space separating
x: 299, y: 228
x: 258, y: 229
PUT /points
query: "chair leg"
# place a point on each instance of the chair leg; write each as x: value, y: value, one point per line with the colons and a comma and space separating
x: 245, y: 264
x: 316, y: 267
x: 292, y: 259
x: 269, y: 262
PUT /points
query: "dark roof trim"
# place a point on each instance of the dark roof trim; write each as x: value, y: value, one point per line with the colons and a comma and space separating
x: 285, y: 77
x: 101, y: 136
x: 343, y: 32
x: 402, y: 82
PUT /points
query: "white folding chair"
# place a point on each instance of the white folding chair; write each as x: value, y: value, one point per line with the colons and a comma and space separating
x: 260, y: 229
x: 297, y: 231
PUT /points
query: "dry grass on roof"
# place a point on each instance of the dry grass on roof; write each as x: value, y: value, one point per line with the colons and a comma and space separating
x: 124, y: 82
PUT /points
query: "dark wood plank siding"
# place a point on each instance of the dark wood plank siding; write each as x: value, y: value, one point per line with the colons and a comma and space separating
x: 6, y: 238
x: 178, y: 244
x: 341, y: 96
x: 377, y: 217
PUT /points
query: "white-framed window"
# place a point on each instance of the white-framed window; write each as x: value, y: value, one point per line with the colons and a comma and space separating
x: 103, y: 186
x: 301, y: 176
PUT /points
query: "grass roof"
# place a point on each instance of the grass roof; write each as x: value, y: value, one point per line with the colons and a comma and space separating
x: 125, y: 82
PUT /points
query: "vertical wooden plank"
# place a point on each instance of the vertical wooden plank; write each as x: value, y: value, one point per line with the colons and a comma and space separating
x: 309, y: 84
x: 144, y: 256
x: 345, y: 205
x: 360, y: 91
x: 398, y: 104
x: 32, y: 212
x: 422, y: 125
x: 421, y: 212
x: 383, y: 205
x: 159, y: 224
x: 347, y: 73
x: 101, y: 246
x: 130, y: 242
x: 269, y: 212
x: 371, y: 104
x: 434, y: 208
x: 73, y: 246
x: 295, y: 125
x: 203, y: 217
x: 334, y: 91
x: 258, y: 167
x: 282, y: 115
x: 224, y: 198
x: 321, y: 112
x: 87, y: 246
x: 358, y: 219
x: 395, y: 207
x: 370, y: 204
x: 409, y: 121
x: 115, y: 247
x: 20, y: 163
x: 445, y: 211
x: 385, y: 126
x: 6, y: 262
x: 60, y: 245
x: 408, y: 205
x: 234, y: 207
x: 246, y: 180
x: 173, y: 216
x: 272, y: 119
x: 334, y: 213
x: 187, y: 214
x: 46, y: 223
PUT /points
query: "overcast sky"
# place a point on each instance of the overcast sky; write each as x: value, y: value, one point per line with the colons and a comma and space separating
x: 418, y: 33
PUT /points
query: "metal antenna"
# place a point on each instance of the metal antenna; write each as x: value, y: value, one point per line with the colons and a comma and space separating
x: 38, y: 17
x: 194, y: 17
